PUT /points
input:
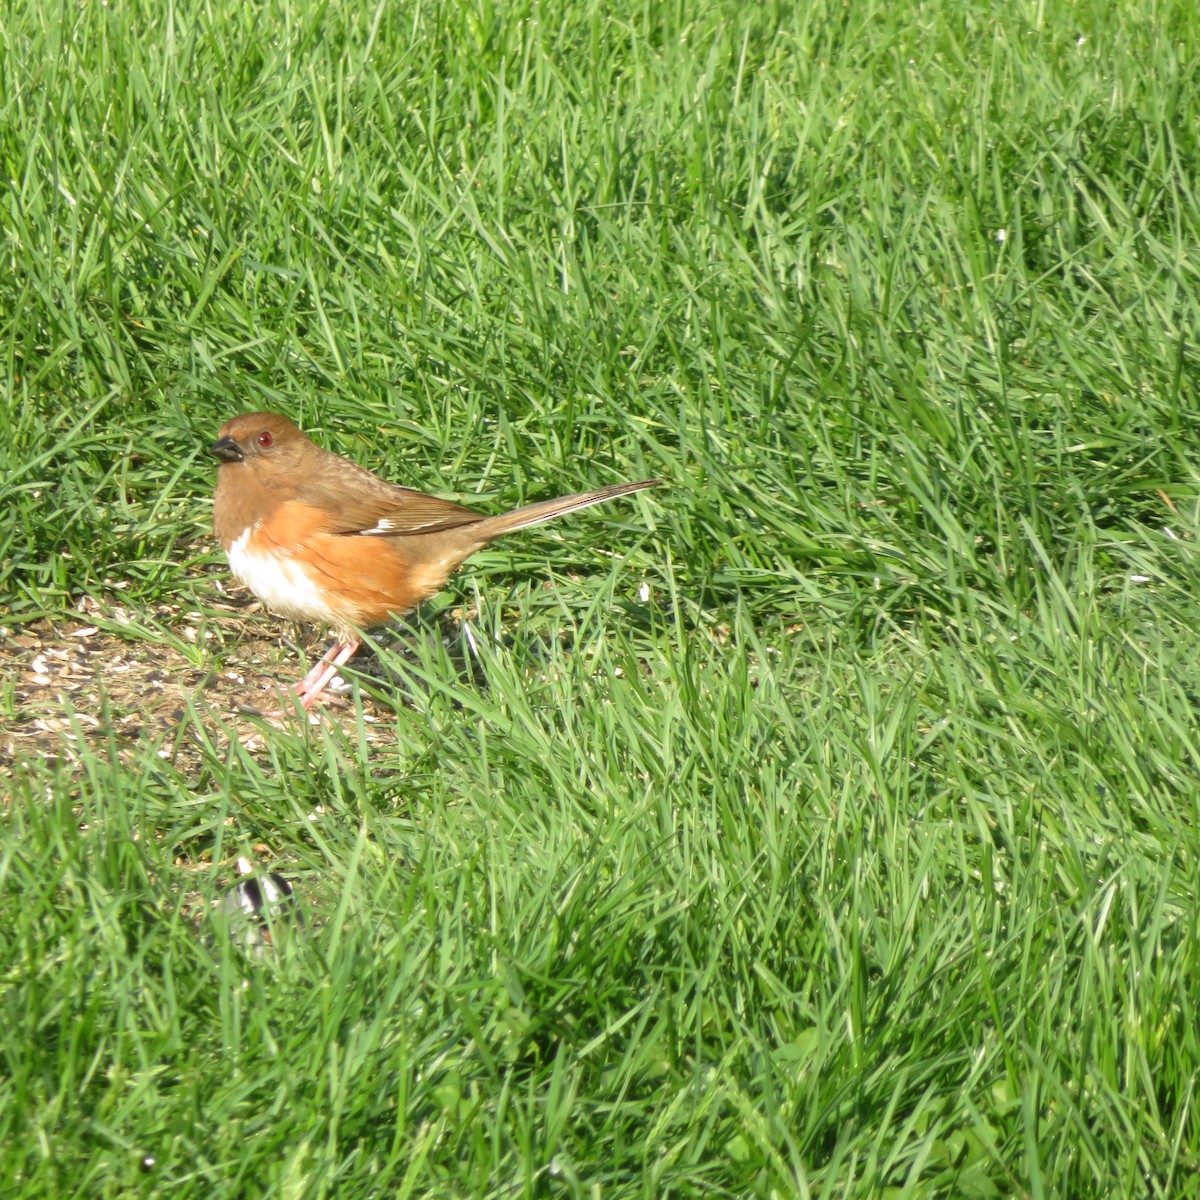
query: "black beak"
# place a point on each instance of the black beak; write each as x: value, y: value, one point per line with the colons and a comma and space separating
x: 227, y: 450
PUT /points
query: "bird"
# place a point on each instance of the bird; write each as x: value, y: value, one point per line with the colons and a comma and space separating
x: 318, y: 538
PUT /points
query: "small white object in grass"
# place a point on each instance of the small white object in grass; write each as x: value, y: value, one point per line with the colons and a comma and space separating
x: 1001, y: 234
x: 253, y: 904
x: 1170, y: 533
x: 644, y: 592
x: 1139, y: 579
x: 1080, y: 40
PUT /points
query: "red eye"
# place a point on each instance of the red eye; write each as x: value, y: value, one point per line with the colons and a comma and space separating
x: 265, y: 438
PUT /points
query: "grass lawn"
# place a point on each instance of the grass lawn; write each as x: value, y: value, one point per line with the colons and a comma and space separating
x: 825, y: 823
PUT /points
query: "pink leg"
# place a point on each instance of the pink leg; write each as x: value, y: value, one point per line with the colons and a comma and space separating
x: 318, y: 679
x: 302, y: 687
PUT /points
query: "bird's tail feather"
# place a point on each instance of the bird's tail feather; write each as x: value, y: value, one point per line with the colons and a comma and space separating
x: 547, y: 510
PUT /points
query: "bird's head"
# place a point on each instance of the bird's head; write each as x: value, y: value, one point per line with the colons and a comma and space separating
x: 260, y: 437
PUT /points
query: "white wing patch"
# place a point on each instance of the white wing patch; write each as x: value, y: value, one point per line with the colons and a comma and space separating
x: 386, y: 525
x: 282, y: 584
x: 383, y: 525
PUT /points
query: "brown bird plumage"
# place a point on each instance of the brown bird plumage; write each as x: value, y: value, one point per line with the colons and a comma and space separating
x: 317, y: 538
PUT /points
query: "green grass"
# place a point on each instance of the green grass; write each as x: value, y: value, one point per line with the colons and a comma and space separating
x: 860, y: 858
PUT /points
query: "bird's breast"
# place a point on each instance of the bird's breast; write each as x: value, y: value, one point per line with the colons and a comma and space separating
x: 281, y: 580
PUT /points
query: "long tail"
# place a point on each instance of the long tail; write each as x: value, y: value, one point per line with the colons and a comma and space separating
x: 547, y: 510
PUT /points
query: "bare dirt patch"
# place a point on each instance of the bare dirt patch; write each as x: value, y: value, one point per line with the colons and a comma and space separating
x: 102, y: 677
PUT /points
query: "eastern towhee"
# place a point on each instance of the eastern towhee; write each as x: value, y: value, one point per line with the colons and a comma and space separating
x: 317, y: 538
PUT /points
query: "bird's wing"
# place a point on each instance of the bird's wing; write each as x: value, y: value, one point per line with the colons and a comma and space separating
x: 359, y: 503
x: 404, y: 512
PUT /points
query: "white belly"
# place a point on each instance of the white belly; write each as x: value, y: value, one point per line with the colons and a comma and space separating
x: 281, y: 583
